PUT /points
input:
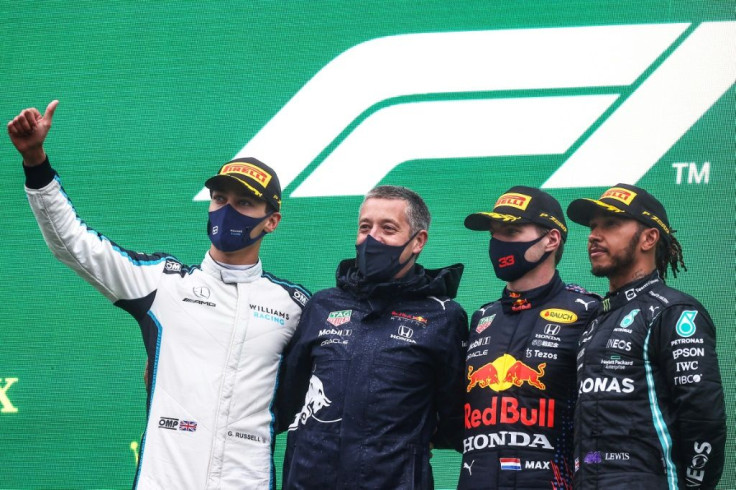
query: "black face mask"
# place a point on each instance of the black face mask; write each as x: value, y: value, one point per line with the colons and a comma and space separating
x: 508, y: 259
x: 379, y: 262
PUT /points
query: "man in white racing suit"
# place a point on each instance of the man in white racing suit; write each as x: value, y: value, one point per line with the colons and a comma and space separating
x: 214, y: 333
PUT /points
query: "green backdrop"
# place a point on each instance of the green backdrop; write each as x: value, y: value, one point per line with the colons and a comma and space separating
x: 457, y: 100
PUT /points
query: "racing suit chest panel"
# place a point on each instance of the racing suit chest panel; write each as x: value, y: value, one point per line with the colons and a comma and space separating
x: 521, y: 393
x: 621, y: 387
x: 216, y: 366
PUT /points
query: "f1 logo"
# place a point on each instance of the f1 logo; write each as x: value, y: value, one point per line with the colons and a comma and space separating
x: 620, y: 82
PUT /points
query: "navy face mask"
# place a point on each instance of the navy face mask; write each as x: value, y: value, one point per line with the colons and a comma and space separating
x: 379, y: 262
x: 230, y: 231
x: 508, y: 259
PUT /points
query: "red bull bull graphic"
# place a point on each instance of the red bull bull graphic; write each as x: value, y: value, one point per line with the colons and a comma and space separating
x: 506, y: 410
x: 505, y: 372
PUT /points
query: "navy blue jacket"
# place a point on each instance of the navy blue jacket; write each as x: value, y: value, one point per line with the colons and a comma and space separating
x: 373, y: 374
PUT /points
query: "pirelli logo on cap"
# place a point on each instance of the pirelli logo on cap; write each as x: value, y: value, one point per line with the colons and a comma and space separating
x: 515, y: 200
x: 255, y: 173
x: 620, y: 194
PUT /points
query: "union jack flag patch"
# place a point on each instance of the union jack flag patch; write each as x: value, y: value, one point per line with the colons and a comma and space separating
x: 188, y: 425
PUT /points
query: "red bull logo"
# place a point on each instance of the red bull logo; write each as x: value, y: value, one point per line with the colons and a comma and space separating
x: 506, y: 410
x: 505, y: 372
x: 406, y: 316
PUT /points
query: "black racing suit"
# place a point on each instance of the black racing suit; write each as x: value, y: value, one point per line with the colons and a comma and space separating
x: 521, y: 388
x: 650, y: 411
x: 374, y: 373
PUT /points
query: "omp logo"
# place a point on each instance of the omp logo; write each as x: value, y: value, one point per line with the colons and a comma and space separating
x: 609, y: 100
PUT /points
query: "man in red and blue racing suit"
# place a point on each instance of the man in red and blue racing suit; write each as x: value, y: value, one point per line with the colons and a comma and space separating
x: 214, y: 333
x: 650, y: 412
x: 520, y: 393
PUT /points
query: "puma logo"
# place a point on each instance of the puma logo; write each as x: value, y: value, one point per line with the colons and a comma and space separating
x: 442, y: 302
x: 578, y: 300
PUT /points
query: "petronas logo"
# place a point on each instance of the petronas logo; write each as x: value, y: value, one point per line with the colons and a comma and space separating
x: 686, y: 324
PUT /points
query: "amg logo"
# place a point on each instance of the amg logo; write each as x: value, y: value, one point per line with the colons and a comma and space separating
x: 199, y: 302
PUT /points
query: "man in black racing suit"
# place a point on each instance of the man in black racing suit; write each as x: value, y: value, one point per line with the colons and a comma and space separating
x: 650, y: 412
x: 521, y: 357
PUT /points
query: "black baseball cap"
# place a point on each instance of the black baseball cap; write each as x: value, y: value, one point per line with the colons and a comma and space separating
x: 626, y: 201
x: 522, y: 205
x: 258, y: 178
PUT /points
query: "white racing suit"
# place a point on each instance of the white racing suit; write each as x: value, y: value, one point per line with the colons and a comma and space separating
x: 214, y: 339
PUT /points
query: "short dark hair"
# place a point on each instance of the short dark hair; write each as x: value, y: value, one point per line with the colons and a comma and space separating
x: 417, y: 212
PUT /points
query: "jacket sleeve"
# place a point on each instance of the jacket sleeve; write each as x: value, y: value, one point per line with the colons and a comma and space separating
x: 450, y: 385
x: 294, y: 373
x: 685, y: 343
x: 115, y: 272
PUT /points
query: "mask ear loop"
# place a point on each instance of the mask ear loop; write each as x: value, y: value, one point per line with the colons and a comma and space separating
x: 413, y: 255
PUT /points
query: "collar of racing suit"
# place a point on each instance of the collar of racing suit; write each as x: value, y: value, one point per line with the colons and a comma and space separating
x: 231, y: 276
x: 516, y: 302
x: 618, y: 298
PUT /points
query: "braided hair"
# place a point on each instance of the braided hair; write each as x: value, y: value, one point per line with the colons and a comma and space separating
x: 669, y: 253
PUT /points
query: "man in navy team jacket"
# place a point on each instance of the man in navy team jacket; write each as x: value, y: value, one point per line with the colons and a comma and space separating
x: 374, y: 374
